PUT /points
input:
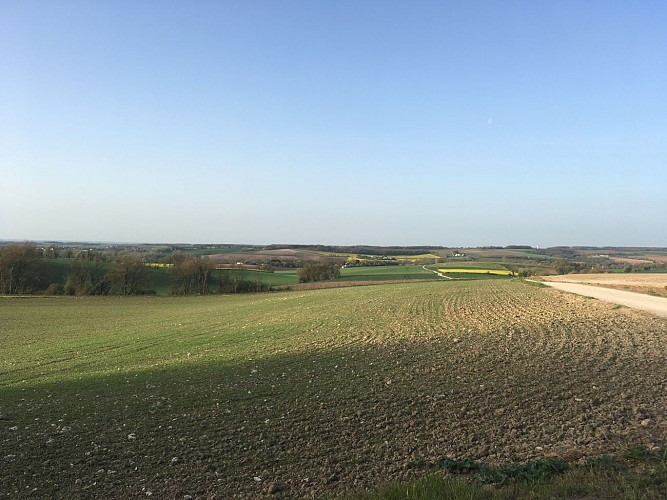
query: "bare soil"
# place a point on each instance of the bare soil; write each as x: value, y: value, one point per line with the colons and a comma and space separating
x: 629, y: 260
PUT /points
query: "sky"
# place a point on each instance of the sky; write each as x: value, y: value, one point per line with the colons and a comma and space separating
x: 465, y: 123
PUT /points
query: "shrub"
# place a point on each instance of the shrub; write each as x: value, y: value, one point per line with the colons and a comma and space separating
x: 319, y: 271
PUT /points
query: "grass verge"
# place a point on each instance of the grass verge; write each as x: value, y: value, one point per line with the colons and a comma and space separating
x: 639, y: 473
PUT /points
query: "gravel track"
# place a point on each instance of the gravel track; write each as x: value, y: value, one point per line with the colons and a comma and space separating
x: 648, y: 303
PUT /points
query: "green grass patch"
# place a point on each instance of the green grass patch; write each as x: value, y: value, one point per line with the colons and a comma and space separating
x: 535, y: 470
x: 430, y: 488
x: 271, y: 278
x: 382, y: 273
x: 476, y: 276
x: 480, y: 265
x: 639, y: 474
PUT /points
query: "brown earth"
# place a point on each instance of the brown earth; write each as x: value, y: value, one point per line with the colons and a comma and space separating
x: 628, y: 260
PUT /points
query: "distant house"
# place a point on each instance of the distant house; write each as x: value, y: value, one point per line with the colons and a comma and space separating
x: 458, y: 254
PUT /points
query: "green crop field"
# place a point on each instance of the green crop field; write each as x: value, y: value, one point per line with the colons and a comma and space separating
x: 475, y: 276
x: 315, y: 393
x: 371, y: 273
x: 273, y: 278
x: 457, y: 264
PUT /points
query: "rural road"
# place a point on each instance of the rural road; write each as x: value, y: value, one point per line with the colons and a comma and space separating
x: 654, y: 305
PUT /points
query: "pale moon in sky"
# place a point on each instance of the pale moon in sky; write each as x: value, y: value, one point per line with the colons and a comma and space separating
x: 490, y: 121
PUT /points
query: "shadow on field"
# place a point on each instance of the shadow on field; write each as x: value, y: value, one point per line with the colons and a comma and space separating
x: 321, y: 422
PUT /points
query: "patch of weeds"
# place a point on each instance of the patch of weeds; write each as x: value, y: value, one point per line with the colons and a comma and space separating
x: 464, y: 466
x: 419, y: 463
x: 533, y: 471
x: 639, y: 452
x: 650, y: 481
x: 567, y: 487
x: 600, y: 462
x: 428, y: 488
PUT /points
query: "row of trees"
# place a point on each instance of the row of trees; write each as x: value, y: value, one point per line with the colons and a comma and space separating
x: 362, y: 249
x: 129, y: 275
x: 90, y: 274
x: 25, y: 269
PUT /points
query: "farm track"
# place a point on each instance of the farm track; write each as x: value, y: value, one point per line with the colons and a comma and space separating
x: 641, y: 301
x: 326, y: 391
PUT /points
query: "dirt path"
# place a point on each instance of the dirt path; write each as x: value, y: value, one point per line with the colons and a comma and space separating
x: 437, y: 272
x: 648, y: 283
x: 654, y: 305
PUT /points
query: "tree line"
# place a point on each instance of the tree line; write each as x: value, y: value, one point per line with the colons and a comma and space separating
x: 25, y: 269
x: 361, y: 249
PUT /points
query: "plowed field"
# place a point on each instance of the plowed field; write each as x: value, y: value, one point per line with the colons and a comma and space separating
x: 318, y: 392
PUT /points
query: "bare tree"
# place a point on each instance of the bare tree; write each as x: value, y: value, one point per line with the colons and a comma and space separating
x: 191, y: 274
x: 20, y: 269
x: 130, y: 276
x: 87, y: 276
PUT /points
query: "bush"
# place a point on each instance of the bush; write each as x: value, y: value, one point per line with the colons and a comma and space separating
x: 319, y: 271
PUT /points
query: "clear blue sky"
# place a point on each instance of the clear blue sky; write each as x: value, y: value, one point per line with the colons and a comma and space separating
x: 376, y: 122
